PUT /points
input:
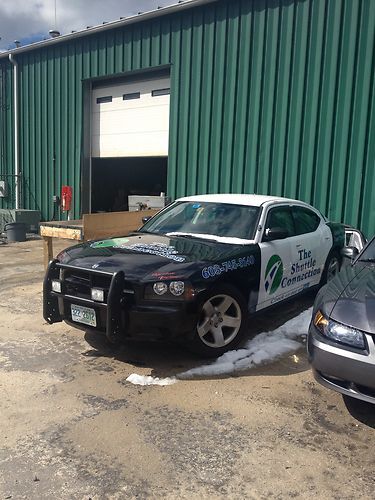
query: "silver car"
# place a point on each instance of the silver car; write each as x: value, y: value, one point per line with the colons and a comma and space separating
x: 341, y: 341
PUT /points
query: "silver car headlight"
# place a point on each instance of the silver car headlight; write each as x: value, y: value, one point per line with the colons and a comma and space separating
x: 339, y: 332
x: 160, y: 288
x: 177, y: 288
x: 166, y: 291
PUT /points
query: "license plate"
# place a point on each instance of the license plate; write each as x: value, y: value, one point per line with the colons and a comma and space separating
x: 85, y: 315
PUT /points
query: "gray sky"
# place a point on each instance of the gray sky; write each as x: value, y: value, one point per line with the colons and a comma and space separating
x: 30, y: 20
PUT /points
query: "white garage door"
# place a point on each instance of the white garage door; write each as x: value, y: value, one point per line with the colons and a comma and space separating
x: 131, y: 119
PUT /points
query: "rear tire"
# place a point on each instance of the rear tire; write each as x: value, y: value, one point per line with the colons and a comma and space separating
x: 331, y: 268
x: 222, y: 322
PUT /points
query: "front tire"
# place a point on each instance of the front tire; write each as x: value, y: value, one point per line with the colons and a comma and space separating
x: 222, y: 322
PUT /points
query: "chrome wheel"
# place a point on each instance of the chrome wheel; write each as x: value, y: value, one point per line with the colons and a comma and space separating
x: 333, y: 268
x: 220, y: 321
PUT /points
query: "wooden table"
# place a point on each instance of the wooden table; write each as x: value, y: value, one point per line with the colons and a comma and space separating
x: 90, y: 227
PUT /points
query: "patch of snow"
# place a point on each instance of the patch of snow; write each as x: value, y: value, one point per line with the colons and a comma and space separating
x: 136, y: 379
x: 262, y: 349
x: 254, y: 200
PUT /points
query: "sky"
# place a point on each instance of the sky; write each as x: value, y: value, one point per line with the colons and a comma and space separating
x: 29, y: 21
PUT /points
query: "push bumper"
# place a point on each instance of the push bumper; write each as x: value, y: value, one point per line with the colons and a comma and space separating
x: 342, y: 370
x: 121, y: 316
x: 56, y: 306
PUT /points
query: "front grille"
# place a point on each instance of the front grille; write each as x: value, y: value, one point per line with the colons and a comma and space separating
x: 350, y: 386
x: 78, y: 283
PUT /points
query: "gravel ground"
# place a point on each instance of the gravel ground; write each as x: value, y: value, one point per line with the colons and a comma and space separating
x: 73, y: 427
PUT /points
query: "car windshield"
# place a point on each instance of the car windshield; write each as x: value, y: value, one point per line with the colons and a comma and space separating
x: 368, y: 254
x: 220, y: 220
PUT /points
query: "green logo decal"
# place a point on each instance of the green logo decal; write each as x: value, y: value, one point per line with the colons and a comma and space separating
x: 273, y: 274
x: 113, y: 242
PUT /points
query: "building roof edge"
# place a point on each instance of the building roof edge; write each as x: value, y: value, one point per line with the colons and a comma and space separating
x: 144, y: 16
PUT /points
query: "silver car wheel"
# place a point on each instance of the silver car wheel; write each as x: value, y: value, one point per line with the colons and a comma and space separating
x: 220, y: 321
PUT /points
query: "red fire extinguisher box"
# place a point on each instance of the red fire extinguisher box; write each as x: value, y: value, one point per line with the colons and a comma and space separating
x: 66, y: 198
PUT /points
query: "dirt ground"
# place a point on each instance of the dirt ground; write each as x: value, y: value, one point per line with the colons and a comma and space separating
x: 73, y: 428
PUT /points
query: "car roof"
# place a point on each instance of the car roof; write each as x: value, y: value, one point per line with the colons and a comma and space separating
x: 254, y: 200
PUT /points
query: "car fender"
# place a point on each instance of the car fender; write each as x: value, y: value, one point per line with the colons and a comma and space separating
x: 241, y: 270
x: 338, y: 235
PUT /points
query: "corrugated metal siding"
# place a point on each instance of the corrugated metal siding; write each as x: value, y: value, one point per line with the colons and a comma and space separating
x: 51, y: 97
x: 6, y: 138
x: 51, y: 94
x: 267, y: 96
x: 277, y: 98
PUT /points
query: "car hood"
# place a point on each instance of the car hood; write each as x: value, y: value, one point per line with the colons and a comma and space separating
x: 351, y: 295
x: 149, y: 256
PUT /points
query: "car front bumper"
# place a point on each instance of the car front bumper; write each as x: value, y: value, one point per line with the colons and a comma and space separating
x: 341, y: 369
x: 121, y: 316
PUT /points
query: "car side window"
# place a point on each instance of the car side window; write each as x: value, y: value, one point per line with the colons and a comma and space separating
x: 280, y: 217
x: 305, y: 220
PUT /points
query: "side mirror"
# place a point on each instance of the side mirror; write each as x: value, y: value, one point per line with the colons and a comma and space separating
x: 275, y: 233
x: 145, y: 219
x: 349, y: 252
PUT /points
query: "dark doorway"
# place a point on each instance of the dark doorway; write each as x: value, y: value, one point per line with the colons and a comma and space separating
x: 114, y: 179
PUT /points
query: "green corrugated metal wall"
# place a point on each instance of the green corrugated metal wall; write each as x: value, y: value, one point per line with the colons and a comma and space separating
x: 266, y: 96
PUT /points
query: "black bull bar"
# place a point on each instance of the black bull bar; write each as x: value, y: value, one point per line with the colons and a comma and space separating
x: 51, y: 309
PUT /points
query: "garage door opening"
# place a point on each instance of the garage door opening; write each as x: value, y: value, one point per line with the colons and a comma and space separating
x: 114, y: 179
x: 129, y: 140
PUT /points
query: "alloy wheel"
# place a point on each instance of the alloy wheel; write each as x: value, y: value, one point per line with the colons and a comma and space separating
x: 220, y: 321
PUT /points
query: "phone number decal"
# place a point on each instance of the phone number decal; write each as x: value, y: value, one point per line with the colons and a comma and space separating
x: 229, y: 265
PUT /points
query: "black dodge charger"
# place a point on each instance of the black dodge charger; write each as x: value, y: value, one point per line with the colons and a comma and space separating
x: 195, y: 270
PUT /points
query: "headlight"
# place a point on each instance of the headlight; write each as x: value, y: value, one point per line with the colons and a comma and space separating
x: 338, y: 332
x: 97, y: 294
x: 177, y: 288
x: 160, y: 288
x: 167, y: 291
x: 56, y: 286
